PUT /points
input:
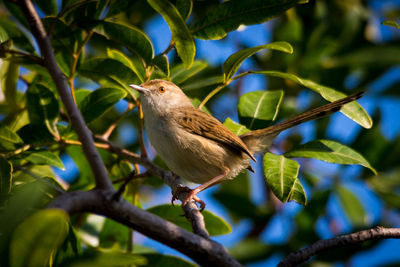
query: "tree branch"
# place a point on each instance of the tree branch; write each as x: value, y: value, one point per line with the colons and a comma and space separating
x: 78, y: 124
x: 304, y: 254
x: 204, y: 251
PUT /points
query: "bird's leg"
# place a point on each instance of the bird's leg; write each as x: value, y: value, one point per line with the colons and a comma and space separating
x: 193, y: 192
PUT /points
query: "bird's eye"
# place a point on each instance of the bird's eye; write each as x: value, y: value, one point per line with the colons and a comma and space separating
x: 161, y: 89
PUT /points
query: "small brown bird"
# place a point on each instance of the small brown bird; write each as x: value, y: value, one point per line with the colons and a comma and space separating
x: 198, y: 147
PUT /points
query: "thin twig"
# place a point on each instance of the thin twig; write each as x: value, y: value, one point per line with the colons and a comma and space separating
x: 302, y: 255
x: 211, y: 94
x: 169, y: 48
x: 112, y: 127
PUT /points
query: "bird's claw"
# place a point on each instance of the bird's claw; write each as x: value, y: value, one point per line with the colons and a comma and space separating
x: 191, y: 194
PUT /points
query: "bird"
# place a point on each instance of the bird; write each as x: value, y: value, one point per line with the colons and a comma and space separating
x: 199, y: 148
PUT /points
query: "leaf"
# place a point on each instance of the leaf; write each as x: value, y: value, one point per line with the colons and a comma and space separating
x: 281, y: 175
x: 113, y: 232
x: 49, y: 7
x: 36, y: 239
x: 99, y: 101
x: 330, y: 151
x: 298, y: 194
x: 109, y: 72
x: 203, y: 82
x: 233, y: 62
x: 214, y: 224
x: 181, y: 35
x: 14, y: 33
x: 130, y: 37
x: 391, y: 23
x: 179, y: 74
x: 259, y: 105
x: 42, y: 106
x: 162, y: 63
x: 155, y: 259
x: 185, y: 8
x: 229, y: 15
x: 138, y: 68
x: 6, y: 170
x: 352, y: 206
x: 6, y: 135
x: 352, y: 110
x: 45, y: 158
x: 8, y: 82
x: 236, y: 128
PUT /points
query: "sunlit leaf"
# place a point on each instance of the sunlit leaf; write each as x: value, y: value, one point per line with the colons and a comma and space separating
x: 99, y: 101
x: 162, y: 63
x: 232, y: 64
x: 214, y: 224
x: 136, y: 67
x: 130, y: 37
x: 9, y: 73
x: 298, y: 193
x: 281, y: 175
x: 45, y: 158
x: 179, y: 74
x: 259, y: 105
x: 181, y: 35
x: 203, y: 82
x: 329, y: 151
x: 352, y: 206
x: 391, y: 23
x: 185, y: 8
x: 6, y: 135
x: 236, y: 128
x: 6, y: 170
x: 38, y: 237
x: 229, y: 15
x: 352, y: 110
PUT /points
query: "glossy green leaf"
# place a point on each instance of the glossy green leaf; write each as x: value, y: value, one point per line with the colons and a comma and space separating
x: 229, y: 15
x: 391, y: 23
x: 185, y: 8
x: 181, y: 35
x: 130, y: 37
x: 6, y: 135
x: 179, y: 74
x: 281, y: 175
x: 45, y: 158
x: 137, y: 67
x: 42, y: 106
x: 162, y: 63
x: 36, y: 239
x: 233, y: 62
x: 298, y: 193
x: 49, y: 7
x: 155, y: 259
x: 214, y: 224
x: 235, y: 127
x: 6, y: 170
x: 203, y: 82
x: 352, y: 110
x: 329, y: 151
x: 9, y: 72
x: 109, y: 73
x: 352, y: 206
x: 99, y: 101
x: 259, y: 105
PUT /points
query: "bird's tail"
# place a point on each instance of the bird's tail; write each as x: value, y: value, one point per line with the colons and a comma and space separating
x: 260, y: 140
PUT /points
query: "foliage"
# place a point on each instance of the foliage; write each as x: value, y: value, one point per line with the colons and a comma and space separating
x: 102, y: 46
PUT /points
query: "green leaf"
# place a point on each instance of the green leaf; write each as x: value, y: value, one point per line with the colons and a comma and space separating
x: 113, y: 232
x: 99, y: 101
x: 109, y: 73
x: 36, y: 239
x: 181, y: 35
x: 42, y: 106
x: 130, y: 37
x: 352, y: 206
x: 214, y: 224
x: 281, y: 175
x: 137, y: 67
x: 49, y: 7
x: 298, y: 194
x: 155, y: 259
x: 352, y: 110
x: 391, y: 23
x: 9, y: 73
x: 330, y: 151
x: 236, y: 128
x: 229, y: 15
x: 233, y: 62
x: 203, y: 82
x: 6, y: 170
x: 179, y: 74
x: 162, y: 63
x: 259, y: 105
x: 6, y: 135
x: 185, y: 8
x: 45, y: 158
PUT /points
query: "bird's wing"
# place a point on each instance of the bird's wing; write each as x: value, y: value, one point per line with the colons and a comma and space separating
x: 200, y: 123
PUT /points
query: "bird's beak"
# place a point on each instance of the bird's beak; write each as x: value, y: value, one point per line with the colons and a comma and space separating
x: 138, y: 88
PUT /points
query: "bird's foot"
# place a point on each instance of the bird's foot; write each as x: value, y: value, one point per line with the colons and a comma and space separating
x: 191, y: 194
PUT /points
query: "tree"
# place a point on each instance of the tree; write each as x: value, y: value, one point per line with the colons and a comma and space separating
x: 65, y: 71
